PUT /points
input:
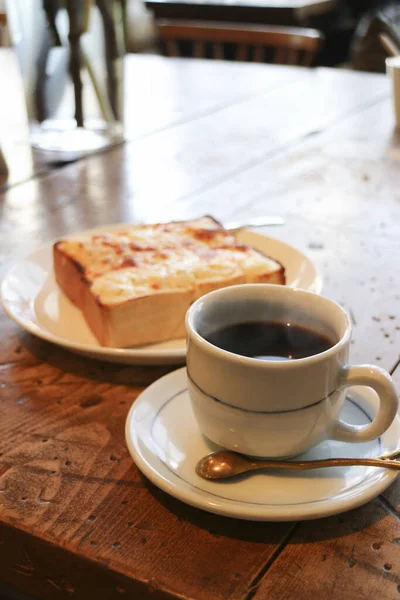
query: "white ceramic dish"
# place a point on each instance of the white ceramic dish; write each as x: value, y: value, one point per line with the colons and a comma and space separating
x: 165, y: 442
x: 32, y: 298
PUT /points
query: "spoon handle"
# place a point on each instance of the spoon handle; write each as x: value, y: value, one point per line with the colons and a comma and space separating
x: 327, y: 462
x: 256, y: 222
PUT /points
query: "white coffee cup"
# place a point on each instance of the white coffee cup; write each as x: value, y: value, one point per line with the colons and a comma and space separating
x: 393, y: 70
x: 273, y: 408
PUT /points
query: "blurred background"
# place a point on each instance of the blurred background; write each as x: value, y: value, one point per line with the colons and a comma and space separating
x: 76, y: 84
x: 349, y: 28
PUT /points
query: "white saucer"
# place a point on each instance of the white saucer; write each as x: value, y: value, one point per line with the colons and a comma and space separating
x: 165, y: 443
x: 32, y: 298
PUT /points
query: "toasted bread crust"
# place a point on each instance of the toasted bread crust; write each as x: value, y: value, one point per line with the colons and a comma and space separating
x: 135, y: 286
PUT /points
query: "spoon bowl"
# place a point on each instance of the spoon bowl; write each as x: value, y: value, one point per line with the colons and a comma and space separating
x: 223, y: 464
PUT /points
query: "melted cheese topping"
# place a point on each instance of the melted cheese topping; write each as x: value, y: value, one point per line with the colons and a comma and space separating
x: 118, y: 286
x: 140, y: 260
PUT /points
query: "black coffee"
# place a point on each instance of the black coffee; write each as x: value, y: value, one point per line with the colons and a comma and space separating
x: 270, y: 340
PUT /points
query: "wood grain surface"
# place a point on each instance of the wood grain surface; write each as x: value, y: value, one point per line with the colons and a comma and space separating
x: 77, y: 519
x: 158, y: 95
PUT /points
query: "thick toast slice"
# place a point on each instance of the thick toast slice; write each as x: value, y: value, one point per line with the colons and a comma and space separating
x: 135, y: 284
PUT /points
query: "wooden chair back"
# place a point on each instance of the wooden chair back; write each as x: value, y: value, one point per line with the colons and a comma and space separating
x: 289, y: 45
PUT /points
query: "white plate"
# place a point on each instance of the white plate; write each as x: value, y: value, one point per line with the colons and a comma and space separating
x: 32, y: 298
x: 165, y: 443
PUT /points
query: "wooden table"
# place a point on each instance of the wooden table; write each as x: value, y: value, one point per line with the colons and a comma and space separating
x: 270, y: 12
x: 236, y: 140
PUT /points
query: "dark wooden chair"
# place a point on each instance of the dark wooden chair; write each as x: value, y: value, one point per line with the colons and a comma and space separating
x: 286, y: 45
x: 3, y: 27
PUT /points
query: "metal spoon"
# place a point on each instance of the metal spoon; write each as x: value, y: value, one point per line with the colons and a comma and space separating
x: 224, y: 464
x: 255, y: 222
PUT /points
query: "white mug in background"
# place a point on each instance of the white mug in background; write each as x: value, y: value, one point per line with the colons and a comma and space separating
x: 272, y: 408
x: 393, y: 70
x: 3, y: 165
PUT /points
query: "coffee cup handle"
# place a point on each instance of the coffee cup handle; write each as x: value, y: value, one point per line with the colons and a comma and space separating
x: 382, y: 383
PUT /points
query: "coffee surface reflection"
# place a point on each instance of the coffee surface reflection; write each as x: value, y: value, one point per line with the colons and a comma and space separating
x: 269, y: 340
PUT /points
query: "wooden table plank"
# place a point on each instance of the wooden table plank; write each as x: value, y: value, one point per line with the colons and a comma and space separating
x: 155, y: 177
x: 338, y: 192
x: 396, y: 373
x: 159, y: 93
x: 352, y: 556
x: 67, y: 478
x: 163, y: 92
x: 209, y: 150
